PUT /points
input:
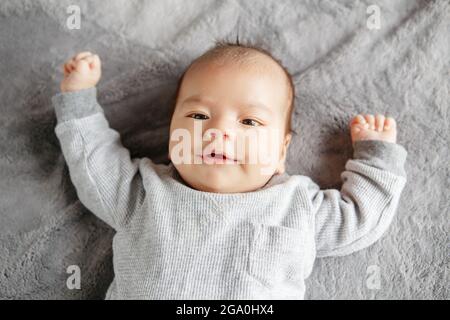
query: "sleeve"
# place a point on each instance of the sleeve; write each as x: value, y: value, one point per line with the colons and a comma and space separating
x: 356, y: 216
x: 107, y: 180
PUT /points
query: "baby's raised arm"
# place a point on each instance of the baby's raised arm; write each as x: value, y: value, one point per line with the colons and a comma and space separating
x: 107, y: 180
x: 356, y: 216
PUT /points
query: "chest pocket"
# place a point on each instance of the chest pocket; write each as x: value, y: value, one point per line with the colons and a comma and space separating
x: 276, y: 254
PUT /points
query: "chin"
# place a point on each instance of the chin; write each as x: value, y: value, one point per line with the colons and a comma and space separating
x: 214, y: 178
x: 216, y: 183
x: 212, y: 189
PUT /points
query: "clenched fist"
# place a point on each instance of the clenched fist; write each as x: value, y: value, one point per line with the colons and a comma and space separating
x: 83, y: 71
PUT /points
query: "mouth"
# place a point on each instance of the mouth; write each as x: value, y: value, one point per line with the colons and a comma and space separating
x: 219, y: 158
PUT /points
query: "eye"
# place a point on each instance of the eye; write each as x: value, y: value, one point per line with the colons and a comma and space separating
x: 198, y: 116
x: 251, y: 122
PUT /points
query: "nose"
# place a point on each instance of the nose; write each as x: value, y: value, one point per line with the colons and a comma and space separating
x: 221, y: 126
x: 225, y: 135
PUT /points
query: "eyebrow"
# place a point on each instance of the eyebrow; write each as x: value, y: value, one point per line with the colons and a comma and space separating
x: 205, y: 101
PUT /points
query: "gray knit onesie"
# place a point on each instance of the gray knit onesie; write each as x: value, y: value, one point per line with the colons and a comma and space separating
x: 175, y: 242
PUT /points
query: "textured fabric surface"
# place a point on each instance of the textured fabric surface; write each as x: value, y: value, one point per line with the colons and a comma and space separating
x: 175, y: 242
x: 340, y: 68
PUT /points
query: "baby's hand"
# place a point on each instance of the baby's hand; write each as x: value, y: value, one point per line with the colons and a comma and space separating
x: 81, y: 72
x: 369, y: 127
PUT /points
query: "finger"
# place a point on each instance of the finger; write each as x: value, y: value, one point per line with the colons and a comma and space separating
x: 82, y: 66
x: 96, y: 63
x: 82, y: 55
x: 93, y: 61
x: 360, y: 119
x: 71, y: 65
x: 357, y: 128
x: 66, y: 69
x: 354, y: 121
x: 370, y: 120
x: 89, y: 59
x: 63, y: 67
x: 389, y: 123
x: 361, y: 122
x: 379, y: 122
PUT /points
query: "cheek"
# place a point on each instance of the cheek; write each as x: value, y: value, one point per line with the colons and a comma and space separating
x: 257, y: 172
x: 265, y: 150
x: 181, y: 127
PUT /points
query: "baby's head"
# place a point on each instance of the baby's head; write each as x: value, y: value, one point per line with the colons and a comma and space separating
x: 236, y: 101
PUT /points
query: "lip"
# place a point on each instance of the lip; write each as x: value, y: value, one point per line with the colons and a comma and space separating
x: 219, y: 158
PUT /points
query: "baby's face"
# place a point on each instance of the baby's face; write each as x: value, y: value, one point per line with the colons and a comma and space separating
x: 236, y: 110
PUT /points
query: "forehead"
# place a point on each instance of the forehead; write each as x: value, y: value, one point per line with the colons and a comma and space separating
x: 248, y: 105
x: 260, y: 82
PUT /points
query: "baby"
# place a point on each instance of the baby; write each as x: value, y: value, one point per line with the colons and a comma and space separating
x: 215, y: 224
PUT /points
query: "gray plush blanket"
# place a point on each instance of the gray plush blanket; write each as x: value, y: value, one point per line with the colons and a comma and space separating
x: 342, y: 65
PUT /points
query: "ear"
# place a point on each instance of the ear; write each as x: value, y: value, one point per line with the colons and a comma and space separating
x: 281, y: 167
